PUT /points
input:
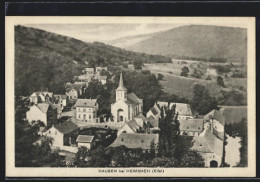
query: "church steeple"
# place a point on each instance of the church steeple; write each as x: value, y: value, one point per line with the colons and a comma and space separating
x: 121, y: 91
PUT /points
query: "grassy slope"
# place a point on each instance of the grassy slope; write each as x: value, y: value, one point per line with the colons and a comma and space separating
x: 195, y: 41
x: 47, y: 60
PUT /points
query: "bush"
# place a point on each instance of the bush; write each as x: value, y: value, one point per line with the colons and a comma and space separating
x: 220, y: 81
x: 160, y: 76
x: 184, y: 71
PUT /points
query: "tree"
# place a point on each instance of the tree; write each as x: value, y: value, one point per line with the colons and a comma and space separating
x: 138, y: 64
x: 202, y: 102
x: 184, y: 71
x: 192, y: 159
x: 104, y: 73
x: 220, y: 81
x: 160, y: 76
x: 197, y: 73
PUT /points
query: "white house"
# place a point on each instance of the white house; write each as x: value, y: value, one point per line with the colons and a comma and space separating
x: 102, y: 79
x: 154, y: 111
x: 89, y: 71
x: 60, y: 99
x: 184, y: 110
x: 72, y: 93
x: 63, y: 134
x: 43, y: 96
x: 38, y: 112
x: 127, y: 106
x: 86, y: 110
x: 85, y: 141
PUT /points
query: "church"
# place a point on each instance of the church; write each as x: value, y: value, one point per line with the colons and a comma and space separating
x: 127, y: 106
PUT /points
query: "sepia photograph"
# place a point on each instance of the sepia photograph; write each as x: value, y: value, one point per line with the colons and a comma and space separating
x: 130, y: 96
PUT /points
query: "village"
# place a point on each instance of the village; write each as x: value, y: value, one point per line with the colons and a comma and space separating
x: 69, y: 118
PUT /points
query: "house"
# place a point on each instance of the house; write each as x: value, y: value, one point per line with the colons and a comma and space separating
x: 153, y: 123
x: 210, y: 148
x: 215, y: 123
x: 85, y: 141
x: 155, y: 111
x: 86, y: 110
x: 40, y: 97
x: 89, y: 71
x: 43, y: 112
x: 63, y: 134
x: 85, y: 77
x: 191, y: 127
x: 60, y: 99
x: 127, y: 106
x: 102, y: 79
x: 184, y: 110
x: 136, y: 140
x: 99, y: 69
x: 74, y: 90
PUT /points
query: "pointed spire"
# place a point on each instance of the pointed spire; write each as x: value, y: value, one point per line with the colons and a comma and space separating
x: 121, y: 84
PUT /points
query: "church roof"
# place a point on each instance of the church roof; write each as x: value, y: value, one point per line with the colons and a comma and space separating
x: 135, y: 140
x: 132, y: 99
x: 121, y: 86
x: 86, y: 103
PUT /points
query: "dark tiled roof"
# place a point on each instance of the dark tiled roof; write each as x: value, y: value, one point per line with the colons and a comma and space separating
x: 66, y: 127
x: 133, y: 125
x: 182, y: 108
x: 85, y: 138
x: 86, y: 103
x: 191, y: 125
x: 154, y: 111
x: 215, y: 114
x: 135, y: 140
x: 154, y: 122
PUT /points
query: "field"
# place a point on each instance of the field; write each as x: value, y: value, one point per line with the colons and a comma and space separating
x: 182, y: 86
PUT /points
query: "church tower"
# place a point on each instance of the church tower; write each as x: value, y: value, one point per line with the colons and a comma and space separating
x: 121, y: 91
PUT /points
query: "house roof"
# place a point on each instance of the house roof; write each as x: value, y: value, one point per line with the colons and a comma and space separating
x: 89, y: 69
x: 191, y: 125
x: 208, y: 143
x: 215, y: 114
x: 135, y: 140
x: 154, y: 122
x: 43, y: 107
x: 99, y: 77
x: 233, y: 114
x: 42, y: 93
x: 182, y: 108
x: 133, y: 125
x: 85, y: 138
x: 132, y: 99
x: 86, y: 103
x: 66, y: 127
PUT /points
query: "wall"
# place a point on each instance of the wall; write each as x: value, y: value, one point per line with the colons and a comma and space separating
x: 90, y: 114
x: 36, y: 114
x: 87, y: 145
x: 56, y: 135
x: 120, y: 104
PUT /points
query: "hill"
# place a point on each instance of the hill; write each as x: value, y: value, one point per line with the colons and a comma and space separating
x: 194, y: 41
x: 45, y: 60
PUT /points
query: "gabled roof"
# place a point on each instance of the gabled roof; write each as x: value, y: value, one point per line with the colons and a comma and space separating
x: 59, y: 96
x: 133, y: 99
x: 182, y: 108
x: 86, y: 103
x: 191, y: 125
x: 43, y: 107
x: 233, y: 114
x: 135, y: 140
x: 66, y: 127
x: 133, y: 125
x: 85, y: 139
x: 215, y: 114
x: 208, y: 143
x: 154, y: 122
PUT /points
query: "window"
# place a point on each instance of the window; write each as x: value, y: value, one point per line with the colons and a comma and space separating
x: 84, y: 110
x: 79, y: 116
x: 56, y: 133
x: 89, y: 116
x: 187, y: 127
x: 49, y: 131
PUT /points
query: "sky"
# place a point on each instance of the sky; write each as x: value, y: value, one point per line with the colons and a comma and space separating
x: 103, y: 32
